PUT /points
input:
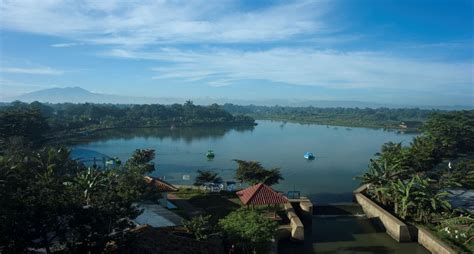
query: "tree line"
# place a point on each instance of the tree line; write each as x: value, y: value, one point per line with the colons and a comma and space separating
x: 353, y: 117
x: 37, y: 121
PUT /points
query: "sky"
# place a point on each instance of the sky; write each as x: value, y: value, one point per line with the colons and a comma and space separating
x: 410, y: 52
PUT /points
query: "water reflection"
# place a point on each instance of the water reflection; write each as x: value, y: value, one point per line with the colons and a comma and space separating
x: 340, y: 154
x: 188, y: 134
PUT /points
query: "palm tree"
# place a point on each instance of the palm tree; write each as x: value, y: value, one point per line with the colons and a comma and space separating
x: 90, y: 181
x: 206, y: 176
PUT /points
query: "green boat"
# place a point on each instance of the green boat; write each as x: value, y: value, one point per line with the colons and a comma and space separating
x: 210, y: 154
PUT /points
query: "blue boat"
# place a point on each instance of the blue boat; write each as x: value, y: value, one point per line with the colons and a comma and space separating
x: 309, y: 156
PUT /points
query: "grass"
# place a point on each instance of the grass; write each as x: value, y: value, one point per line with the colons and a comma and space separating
x: 187, y: 193
x: 218, y: 205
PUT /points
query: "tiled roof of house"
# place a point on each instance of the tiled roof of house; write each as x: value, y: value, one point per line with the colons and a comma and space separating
x: 161, y: 185
x: 260, y: 194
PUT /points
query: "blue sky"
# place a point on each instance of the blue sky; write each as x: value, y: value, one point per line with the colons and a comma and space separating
x: 414, y: 52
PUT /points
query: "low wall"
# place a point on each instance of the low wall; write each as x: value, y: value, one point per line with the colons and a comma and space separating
x: 305, y: 207
x: 297, y: 228
x: 399, y: 230
x: 432, y: 243
x: 394, y: 227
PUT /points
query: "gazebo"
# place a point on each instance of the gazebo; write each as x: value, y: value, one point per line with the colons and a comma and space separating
x: 260, y: 194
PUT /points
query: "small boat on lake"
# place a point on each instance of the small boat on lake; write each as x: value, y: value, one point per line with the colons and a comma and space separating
x: 210, y: 154
x: 309, y: 156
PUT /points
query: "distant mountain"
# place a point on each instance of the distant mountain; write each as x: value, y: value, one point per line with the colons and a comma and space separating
x: 80, y: 95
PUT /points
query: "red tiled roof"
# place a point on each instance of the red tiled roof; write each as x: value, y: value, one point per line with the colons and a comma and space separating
x: 260, y: 194
x: 160, y: 184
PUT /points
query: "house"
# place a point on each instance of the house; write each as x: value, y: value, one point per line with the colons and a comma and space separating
x: 163, y: 187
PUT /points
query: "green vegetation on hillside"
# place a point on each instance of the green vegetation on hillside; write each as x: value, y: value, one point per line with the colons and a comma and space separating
x: 352, y: 117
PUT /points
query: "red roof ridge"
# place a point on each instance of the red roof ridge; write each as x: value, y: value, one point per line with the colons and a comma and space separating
x: 260, y: 194
x: 162, y: 185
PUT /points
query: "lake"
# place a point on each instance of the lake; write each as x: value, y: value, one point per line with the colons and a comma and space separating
x: 341, y: 153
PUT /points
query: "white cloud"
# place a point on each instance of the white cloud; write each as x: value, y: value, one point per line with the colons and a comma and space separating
x: 333, y: 69
x: 38, y: 71
x: 150, y: 22
x: 65, y: 45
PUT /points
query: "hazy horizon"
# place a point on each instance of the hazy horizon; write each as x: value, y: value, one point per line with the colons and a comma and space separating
x: 384, y: 52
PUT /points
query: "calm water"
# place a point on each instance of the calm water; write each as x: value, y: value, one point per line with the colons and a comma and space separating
x: 341, y: 153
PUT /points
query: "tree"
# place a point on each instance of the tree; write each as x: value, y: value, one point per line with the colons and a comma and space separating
x: 27, y: 124
x: 141, y: 161
x: 454, y: 131
x: 199, y: 226
x: 424, y: 154
x: 206, y: 176
x: 248, y: 230
x: 36, y: 205
x: 253, y: 172
x: 47, y: 198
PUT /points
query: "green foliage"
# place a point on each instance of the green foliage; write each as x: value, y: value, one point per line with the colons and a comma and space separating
x: 462, y: 173
x: 27, y: 124
x: 253, y: 172
x: 459, y: 230
x: 453, y: 131
x: 199, y: 226
x: 141, y: 161
x: 206, y: 176
x: 30, y: 119
x: 248, y: 230
x: 412, y: 180
x: 355, y: 117
x: 418, y: 199
x: 46, y: 198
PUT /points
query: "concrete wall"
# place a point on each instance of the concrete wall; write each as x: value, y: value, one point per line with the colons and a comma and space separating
x: 432, y: 243
x: 306, y: 208
x: 399, y: 230
x: 394, y: 227
x: 297, y: 228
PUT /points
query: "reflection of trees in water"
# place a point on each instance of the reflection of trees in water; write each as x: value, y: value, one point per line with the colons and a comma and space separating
x: 188, y: 134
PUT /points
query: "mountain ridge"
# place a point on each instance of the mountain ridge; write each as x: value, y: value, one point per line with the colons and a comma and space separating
x: 80, y: 95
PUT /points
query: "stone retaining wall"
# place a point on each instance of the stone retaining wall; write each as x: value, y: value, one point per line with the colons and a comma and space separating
x: 394, y: 227
x: 398, y: 229
x: 297, y: 228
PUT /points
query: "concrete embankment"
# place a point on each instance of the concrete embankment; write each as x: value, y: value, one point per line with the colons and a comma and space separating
x: 399, y: 230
